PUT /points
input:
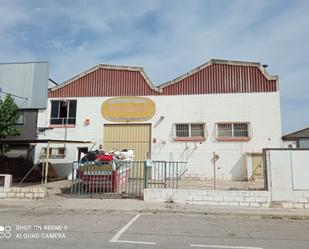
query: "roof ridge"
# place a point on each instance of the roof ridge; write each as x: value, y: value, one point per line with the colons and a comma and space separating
x: 121, y: 67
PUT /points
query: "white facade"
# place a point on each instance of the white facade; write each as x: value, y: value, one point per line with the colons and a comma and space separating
x: 261, y: 110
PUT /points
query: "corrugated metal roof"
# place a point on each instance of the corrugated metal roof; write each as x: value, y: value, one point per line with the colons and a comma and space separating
x: 303, y: 133
x: 28, y: 81
x: 216, y: 76
x: 106, y: 80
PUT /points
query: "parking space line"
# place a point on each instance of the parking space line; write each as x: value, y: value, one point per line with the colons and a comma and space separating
x: 219, y: 246
x: 133, y: 242
x: 3, y: 210
x: 116, y: 237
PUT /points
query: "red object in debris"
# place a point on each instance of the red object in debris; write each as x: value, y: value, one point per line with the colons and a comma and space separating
x: 105, y: 158
x: 104, y: 183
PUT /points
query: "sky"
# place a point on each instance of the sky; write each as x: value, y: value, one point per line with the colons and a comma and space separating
x: 166, y: 38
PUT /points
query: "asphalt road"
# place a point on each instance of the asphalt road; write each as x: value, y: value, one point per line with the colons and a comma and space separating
x: 37, y: 229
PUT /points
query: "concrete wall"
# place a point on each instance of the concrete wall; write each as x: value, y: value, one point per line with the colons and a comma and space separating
x: 7, y: 191
x: 288, y: 186
x: 287, y: 172
x: 255, y: 199
x: 287, y: 144
x: 22, y: 193
x: 210, y: 197
x: 262, y: 110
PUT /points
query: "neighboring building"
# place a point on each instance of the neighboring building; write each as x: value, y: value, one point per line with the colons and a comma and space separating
x: 227, y: 107
x: 297, y: 139
x: 28, y: 85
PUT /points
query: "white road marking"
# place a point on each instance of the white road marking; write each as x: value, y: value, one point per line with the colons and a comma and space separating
x: 115, y: 239
x: 133, y: 242
x: 230, y: 247
x: 3, y: 210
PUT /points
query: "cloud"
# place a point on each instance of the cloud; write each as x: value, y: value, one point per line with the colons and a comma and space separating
x: 167, y: 38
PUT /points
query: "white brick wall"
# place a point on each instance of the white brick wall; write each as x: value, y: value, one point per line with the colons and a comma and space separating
x: 262, y: 110
x: 224, y: 198
x: 210, y: 197
x: 23, y: 193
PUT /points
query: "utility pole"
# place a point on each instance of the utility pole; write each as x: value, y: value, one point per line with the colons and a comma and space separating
x: 215, y: 157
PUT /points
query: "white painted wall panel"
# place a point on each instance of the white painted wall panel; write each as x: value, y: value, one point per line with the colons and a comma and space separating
x: 280, y: 175
x: 300, y: 169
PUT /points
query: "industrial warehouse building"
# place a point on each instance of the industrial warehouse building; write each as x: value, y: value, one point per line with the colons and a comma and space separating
x: 229, y: 108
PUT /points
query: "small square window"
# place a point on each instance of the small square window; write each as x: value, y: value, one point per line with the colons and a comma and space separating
x: 20, y: 120
x: 194, y: 131
x: 182, y: 130
x: 43, y: 153
x: 233, y: 131
x: 241, y: 130
x: 61, y: 151
x: 58, y: 152
x: 197, y: 130
x: 225, y: 130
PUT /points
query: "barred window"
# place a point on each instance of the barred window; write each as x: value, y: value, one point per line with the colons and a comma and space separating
x: 57, y: 152
x: 240, y: 130
x: 225, y: 130
x: 182, y: 130
x: 233, y: 130
x: 195, y: 130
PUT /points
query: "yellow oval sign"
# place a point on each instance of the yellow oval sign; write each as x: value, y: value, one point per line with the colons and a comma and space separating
x: 128, y: 109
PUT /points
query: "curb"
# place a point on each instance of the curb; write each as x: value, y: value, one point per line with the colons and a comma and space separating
x: 235, y: 213
x: 166, y: 209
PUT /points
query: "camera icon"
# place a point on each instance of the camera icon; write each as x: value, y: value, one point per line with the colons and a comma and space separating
x: 5, y: 232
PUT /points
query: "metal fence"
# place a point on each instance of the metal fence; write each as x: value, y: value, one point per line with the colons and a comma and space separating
x: 125, y: 179
x: 163, y: 174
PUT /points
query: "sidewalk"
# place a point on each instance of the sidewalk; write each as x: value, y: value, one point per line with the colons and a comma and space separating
x: 131, y: 205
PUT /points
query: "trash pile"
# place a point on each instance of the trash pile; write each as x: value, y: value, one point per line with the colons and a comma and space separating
x: 123, y: 155
x: 104, y: 171
x: 115, y: 156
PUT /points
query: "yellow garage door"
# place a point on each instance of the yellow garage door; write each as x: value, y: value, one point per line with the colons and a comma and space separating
x: 136, y: 137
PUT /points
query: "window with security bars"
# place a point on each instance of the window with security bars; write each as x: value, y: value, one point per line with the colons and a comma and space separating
x: 58, y: 152
x: 233, y: 130
x: 189, y: 131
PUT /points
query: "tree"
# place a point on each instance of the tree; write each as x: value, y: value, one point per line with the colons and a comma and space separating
x: 9, y: 114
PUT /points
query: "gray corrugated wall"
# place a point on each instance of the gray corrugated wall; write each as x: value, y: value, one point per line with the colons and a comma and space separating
x: 27, y: 80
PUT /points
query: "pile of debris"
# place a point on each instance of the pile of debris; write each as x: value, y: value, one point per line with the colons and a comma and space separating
x: 115, y: 156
